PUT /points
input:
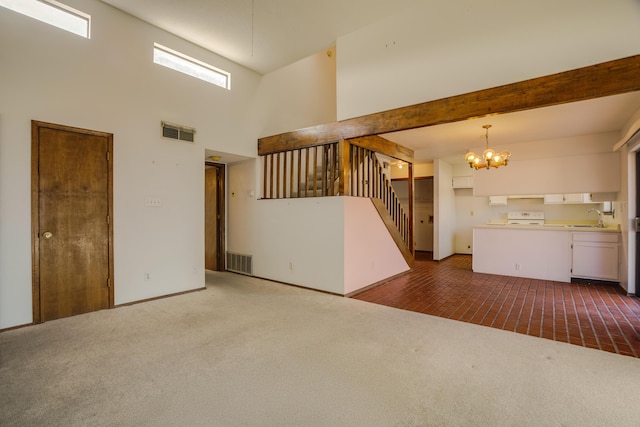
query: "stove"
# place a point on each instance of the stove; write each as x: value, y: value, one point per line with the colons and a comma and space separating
x: 525, y: 218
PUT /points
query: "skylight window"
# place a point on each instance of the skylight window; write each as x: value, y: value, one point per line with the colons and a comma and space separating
x: 53, y: 13
x: 185, y: 64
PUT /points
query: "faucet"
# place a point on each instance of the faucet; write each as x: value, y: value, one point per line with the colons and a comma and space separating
x: 600, y: 223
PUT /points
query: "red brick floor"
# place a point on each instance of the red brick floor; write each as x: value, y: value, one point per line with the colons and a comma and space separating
x: 598, y: 316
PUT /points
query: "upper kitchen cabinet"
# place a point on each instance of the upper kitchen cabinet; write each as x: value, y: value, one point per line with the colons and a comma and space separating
x: 462, y: 181
x: 589, y: 173
x: 572, y: 198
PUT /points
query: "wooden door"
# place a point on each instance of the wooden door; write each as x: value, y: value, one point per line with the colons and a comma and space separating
x: 214, y: 217
x: 72, y: 227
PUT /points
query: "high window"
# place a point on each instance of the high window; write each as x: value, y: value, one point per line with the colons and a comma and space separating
x: 53, y: 13
x: 185, y: 64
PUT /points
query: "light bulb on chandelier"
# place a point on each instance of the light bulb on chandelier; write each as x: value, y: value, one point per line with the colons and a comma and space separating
x: 489, y: 158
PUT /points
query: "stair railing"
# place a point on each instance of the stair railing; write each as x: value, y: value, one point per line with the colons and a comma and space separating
x: 341, y: 168
x: 302, y: 172
x: 368, y: 179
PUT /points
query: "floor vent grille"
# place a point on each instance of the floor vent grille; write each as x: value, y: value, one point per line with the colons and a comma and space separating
x: 239, y: 263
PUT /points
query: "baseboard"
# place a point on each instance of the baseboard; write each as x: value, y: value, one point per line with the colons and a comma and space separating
x: 373, y: 285
x: 11, y: 328
x: 288, y: 284
x: 159, y: 297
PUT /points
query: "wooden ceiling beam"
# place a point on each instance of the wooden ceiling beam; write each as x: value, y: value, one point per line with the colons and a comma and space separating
x: 384, y: 146
x: 595, y: 81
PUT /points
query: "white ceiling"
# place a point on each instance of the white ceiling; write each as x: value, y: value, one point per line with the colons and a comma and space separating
x: 450, y: 141
x: 262, y: 35
x: 265, y: 35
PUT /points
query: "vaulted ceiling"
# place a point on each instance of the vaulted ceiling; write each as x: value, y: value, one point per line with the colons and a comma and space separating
x: 264, y: 35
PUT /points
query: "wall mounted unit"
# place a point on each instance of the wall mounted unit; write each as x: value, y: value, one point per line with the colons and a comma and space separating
x: 173, y: 131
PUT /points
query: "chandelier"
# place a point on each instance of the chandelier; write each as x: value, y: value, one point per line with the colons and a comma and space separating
x: 489, y: 159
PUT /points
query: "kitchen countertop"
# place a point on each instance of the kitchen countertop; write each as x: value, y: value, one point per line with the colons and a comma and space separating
x: 551, y: 227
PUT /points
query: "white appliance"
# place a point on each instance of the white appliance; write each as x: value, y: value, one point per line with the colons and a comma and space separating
x: 525, y: 218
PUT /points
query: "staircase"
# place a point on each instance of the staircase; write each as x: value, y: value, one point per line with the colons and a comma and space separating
x: 344, y: 168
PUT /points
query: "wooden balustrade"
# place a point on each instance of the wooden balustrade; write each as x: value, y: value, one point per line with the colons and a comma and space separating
x: 347, y: 168
x: 303, y: 172
x: 370, y: 180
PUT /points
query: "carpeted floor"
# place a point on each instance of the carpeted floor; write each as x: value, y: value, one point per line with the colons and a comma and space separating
x: 247, y: 352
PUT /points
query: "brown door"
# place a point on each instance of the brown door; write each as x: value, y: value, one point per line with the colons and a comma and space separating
x: 72, y: 230
x: 214, y: 217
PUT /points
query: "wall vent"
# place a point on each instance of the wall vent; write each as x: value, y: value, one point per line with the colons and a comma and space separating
x: 239, y: 263
x: 182, y: 133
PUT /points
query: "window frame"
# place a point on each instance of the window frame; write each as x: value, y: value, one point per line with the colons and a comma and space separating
x: 191, y: 62
x: 23, y: 7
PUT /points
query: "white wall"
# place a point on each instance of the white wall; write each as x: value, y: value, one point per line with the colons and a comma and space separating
x: 299, y: 95
x: 109, y: 83
x: 242, y: 197
x: 300, y: 241
x: 441, y: 48
x: 370, y: 254
x: 333, y: 244
x: 421, y: 170
x: 444, y: 211
x: 598, y: 173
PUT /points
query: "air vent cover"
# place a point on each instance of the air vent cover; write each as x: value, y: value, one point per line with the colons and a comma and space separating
x: 181, y: 133
x: 239, y: 263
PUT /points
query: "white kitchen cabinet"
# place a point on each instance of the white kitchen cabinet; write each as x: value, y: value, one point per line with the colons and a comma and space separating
x: 497, y: 200
x: 572, y: 198
x: 462, y: 182
x: 553, y: 199
x: 595, y: 256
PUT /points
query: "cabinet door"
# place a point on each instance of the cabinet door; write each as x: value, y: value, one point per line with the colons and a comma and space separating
x: 575, y: 198
x: 497, y: 200
x: 553, y: 198
x: 595, y: 260
x: 462, y: 182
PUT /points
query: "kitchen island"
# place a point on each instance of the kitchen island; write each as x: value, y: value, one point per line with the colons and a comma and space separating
x: 547, y: 252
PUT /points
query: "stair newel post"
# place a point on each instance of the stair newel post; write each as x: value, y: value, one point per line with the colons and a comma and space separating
x: 410, y: 213
x: 344, y: 168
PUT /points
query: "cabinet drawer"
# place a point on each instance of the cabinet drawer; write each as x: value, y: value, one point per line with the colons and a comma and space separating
x: 589, y: 236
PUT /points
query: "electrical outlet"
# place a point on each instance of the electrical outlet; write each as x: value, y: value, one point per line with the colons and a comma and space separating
x: 517, y: 267
x: 147, y: 276
x: 291, y: 266
x: 152, y: 202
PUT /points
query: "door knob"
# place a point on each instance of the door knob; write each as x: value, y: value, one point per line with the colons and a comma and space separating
x: 47, y: 235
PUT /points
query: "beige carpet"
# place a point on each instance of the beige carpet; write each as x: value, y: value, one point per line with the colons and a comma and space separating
x: 247, y: 352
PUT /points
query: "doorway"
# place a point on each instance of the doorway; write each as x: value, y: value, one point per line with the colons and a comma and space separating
x: 72, y: 226
x: 423, y: 208
x: 214, y: 218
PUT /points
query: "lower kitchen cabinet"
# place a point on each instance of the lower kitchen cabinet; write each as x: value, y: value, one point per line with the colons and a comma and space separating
x: 546, y: 253
x: 595, y: 256
x: 533, y: 253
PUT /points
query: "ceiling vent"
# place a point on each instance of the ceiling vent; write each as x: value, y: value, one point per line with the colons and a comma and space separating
x: 182, y: 133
